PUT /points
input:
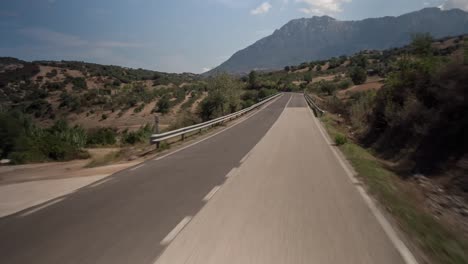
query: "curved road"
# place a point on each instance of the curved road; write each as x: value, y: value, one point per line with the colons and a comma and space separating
x: 265, y: 190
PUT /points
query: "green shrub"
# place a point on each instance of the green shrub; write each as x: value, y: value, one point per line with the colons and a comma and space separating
x: 139, y: 108
x: 101, y: 137
x: 163, y: 105
x: 264, y: 93
x: 212, y: 106
x: 358, y: 75
x: 340, y: 139
x: 141, y: 135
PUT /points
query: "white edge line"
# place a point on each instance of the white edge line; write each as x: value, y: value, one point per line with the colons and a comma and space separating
x: 137, y: 167
x: 175, y: 231
x: 232, y: 172
x: 99, y: 182
x: 42, y: 207
x: 211, y: 193
x: 219, y: 132
x: 245, y: 157
x: 405, y: 253
x: 289, y: 101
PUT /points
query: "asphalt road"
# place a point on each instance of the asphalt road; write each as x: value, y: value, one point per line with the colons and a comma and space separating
x: 290, y: 201
x: 124, y: 219
x: 268, y: 190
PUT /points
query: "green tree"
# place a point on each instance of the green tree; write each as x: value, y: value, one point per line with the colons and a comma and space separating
x: 308, y: 77
x: 253, y: 79
x: 421, y: 44
x: 358, y: 75
x: 359, y: 61
x: 212, y: 106
x: 465, y: 49
x: 163, y: 105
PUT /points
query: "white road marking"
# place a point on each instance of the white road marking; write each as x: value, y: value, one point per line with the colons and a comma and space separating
x: 200, y: 141
x: 175, y: 231
x: 42, y: 207
x: 99, y: 182
x: 384, y: 223
x: 211, y: 193
x: 232, y: 172
x: 137, y: 167
x: 245, y: 157
x: 289, y: 100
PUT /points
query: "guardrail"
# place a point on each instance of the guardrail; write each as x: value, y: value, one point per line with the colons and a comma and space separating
x: 313, y: 105
x: 157, y: 138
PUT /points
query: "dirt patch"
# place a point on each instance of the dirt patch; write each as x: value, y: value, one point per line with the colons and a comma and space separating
x: 449, y: 208
x: 326, y: 78
x: 344, y: 94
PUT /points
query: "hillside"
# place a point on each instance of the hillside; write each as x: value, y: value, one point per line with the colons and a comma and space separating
x: 323, y: 37
x: 55, y: 109
x: 89, y: 95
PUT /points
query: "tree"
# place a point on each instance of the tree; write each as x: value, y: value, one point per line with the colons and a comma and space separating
x: 421, y: 44
x: 308, y: 77
x: 465, y: 55
x: 327, y: 87
x: 163, y: 105
x: 359, y: 61
x: 253, y: 79
x: 286, y: 69
x: 212, y: 106
x: 319, y: 67
x: 358, y: 75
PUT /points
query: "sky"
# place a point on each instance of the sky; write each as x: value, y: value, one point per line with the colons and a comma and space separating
x: 167, y: 35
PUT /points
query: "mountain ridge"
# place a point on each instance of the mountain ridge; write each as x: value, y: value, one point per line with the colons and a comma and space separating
x: 320, y: 37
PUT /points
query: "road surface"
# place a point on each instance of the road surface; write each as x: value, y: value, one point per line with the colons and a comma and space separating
x: 286, y: 200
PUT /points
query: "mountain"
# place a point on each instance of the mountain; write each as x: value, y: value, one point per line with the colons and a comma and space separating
x: 323, y: 37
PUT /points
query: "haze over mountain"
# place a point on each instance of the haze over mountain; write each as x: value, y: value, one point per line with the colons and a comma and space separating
x: 323, y: 37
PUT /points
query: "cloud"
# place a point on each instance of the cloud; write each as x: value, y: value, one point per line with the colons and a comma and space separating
x: 205, y: 69
x: 261, y: 9
x: 450, y: 4
x: 322, y: 6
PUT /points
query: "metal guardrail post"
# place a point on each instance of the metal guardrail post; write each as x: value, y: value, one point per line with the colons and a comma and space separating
x: 317, y: 111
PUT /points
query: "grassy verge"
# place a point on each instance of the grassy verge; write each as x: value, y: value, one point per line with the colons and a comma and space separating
x: 105, y: 160
x: 437, y: 241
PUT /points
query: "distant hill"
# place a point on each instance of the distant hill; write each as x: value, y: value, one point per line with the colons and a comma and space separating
x: 323, y: 37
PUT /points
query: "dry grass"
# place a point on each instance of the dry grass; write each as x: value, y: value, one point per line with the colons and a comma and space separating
x: 441, y: 244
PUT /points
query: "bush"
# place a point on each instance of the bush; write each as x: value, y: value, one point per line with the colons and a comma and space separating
x: 212, y: 106
x: 101, y: 137
x: 163, y: 105
x: 139, y: 108
x: 23, y: 142
x: 327, y: 87
x: 340, y: 139
x: 358, y: 75
x: 264, y: 93
x: 141, y: 135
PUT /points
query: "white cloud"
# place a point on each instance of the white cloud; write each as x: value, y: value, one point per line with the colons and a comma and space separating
x: 450, y: 4
x: 261, y: 9
x: 205, y: 69
x: 322, y: 6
